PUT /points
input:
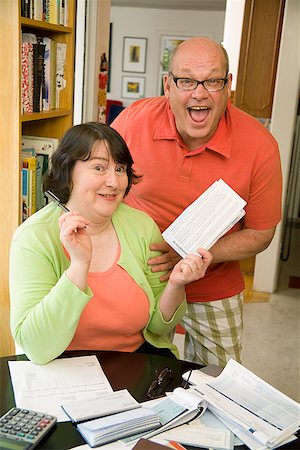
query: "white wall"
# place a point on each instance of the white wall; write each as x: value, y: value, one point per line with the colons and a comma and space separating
x: 234, y: 17
x: 152, y: 24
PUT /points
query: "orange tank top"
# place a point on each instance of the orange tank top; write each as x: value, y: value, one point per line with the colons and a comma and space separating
x: 115, y: 315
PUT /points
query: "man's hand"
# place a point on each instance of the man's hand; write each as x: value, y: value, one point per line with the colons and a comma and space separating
x: 165, y: 262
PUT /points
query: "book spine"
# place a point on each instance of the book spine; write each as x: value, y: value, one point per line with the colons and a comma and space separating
x: 38, y: 9
x: 60, y: 70
x: 53, y: 13
x: 39, y: 182
x: 26, y: 106
x: 25, y: 193
x: 30, y: 165
x: 52, y: 97
x: 38, y: 75
x: 47, y: 74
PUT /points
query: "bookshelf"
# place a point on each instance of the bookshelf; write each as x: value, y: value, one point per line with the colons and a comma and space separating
x: 13, y: 124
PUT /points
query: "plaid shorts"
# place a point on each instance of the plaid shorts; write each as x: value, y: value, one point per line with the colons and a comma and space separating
x: 214, y: 331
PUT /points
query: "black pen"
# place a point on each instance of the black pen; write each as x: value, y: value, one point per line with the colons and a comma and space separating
x: 53, y: 197
x: 186, y: 384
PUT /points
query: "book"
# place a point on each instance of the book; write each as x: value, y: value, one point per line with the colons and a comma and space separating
x: 144, y: 444
x: 38, y: 9
x: 104, y: 405
x: 53, y: 57
x: 53, y: 11
x: 40, y: 199
x: 114, y: 427
x: 207, y: 219
x: 42, y: 145
x: 38, y: 75
x: 27, y: 72
x: 257, y: 413
x: 25, y: 193
x: 29, y: 164
x: 26, y: 78
x: 61, y: 50
x: 43, y: 149
x: 47, y: 73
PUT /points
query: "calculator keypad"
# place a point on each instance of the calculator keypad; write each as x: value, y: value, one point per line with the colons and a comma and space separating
x: 25, y: 425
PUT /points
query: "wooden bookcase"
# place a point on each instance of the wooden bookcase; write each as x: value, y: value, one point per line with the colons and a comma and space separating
x: 13, y: 124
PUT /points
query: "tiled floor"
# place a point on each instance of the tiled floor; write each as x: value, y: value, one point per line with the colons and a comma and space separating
x: 271, y: 337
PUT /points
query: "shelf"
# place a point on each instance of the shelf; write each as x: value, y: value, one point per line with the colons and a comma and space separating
x: 43, y: 25
x: 51, y: 114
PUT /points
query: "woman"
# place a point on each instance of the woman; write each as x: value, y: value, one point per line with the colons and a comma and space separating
x: 80, y: 279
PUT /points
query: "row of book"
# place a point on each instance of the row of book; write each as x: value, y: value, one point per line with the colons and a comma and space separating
x: 36, y: 155
x: 52, y: 11
x: 42, y: 73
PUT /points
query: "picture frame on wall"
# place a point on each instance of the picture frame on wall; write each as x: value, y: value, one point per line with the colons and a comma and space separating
x: 133, y: 87
x: 134, y: 54
x: 167, y: 45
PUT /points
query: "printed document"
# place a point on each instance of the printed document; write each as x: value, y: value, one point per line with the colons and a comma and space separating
x: 46, y: 387
x: 208, y: 218
x: 251, y: 405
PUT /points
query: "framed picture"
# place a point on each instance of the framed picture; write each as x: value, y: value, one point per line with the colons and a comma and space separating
x: 133, y: 87
x: 134, y: 54
x: 167, y: 44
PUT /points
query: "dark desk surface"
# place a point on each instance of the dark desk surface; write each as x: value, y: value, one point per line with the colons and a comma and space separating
x: 132, y: 371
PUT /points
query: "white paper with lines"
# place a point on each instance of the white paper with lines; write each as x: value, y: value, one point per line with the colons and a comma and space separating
x: 208, y: 218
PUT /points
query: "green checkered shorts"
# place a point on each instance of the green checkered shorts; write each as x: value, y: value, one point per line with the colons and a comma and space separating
x: 214, y: 331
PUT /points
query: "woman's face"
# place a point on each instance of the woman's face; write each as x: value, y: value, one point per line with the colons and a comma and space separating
x: 99, y: 184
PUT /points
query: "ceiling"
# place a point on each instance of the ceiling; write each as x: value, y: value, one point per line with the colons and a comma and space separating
x: 200, y: 5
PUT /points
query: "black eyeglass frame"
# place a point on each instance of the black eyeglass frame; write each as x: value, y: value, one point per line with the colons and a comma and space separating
x: 162, y: 380
x: 175, y: 79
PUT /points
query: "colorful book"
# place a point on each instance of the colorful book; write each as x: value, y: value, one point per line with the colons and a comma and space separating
x: 25, y: 193
x: 26, y: 78
x: 42, y: 145
x: 29, y: 163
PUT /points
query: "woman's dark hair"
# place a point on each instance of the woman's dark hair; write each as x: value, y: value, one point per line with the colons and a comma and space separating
x: 77, y: 145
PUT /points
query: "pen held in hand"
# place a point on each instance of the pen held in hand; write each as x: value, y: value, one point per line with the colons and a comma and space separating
x: 56, y: 200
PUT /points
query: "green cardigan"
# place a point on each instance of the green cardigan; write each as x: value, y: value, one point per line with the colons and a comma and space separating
x: 46, y: 305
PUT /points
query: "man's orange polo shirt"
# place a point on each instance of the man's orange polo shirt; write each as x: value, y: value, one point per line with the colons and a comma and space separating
x: 241, y: 152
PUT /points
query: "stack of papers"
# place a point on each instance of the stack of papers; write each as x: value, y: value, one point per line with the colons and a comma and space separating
x: 179, y: 407
x: 258, y: 414
x: 111, y: 428
x: 207, y: 219
x: 103, y: 405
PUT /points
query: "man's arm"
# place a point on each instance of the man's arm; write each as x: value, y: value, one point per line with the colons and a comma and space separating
x: 232, y: 247
x: 241, y: 245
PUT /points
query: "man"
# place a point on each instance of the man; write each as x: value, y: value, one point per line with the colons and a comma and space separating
x: 181, y: 143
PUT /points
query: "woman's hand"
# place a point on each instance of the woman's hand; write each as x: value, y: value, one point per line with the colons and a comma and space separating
x: 191, y: 268
x: 74, y: 237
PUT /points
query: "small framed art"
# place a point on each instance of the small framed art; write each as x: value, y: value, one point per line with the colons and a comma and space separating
x: 134, y: 54
x: 133, y: 87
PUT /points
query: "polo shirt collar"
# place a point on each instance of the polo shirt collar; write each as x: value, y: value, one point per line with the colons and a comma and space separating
x: 220, y: 142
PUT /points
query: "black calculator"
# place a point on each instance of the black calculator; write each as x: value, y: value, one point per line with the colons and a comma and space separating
x: 23, y: 429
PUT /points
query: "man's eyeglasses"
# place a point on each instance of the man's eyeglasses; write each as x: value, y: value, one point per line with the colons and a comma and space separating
x: 162, y: 380
x: 211, y: 85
